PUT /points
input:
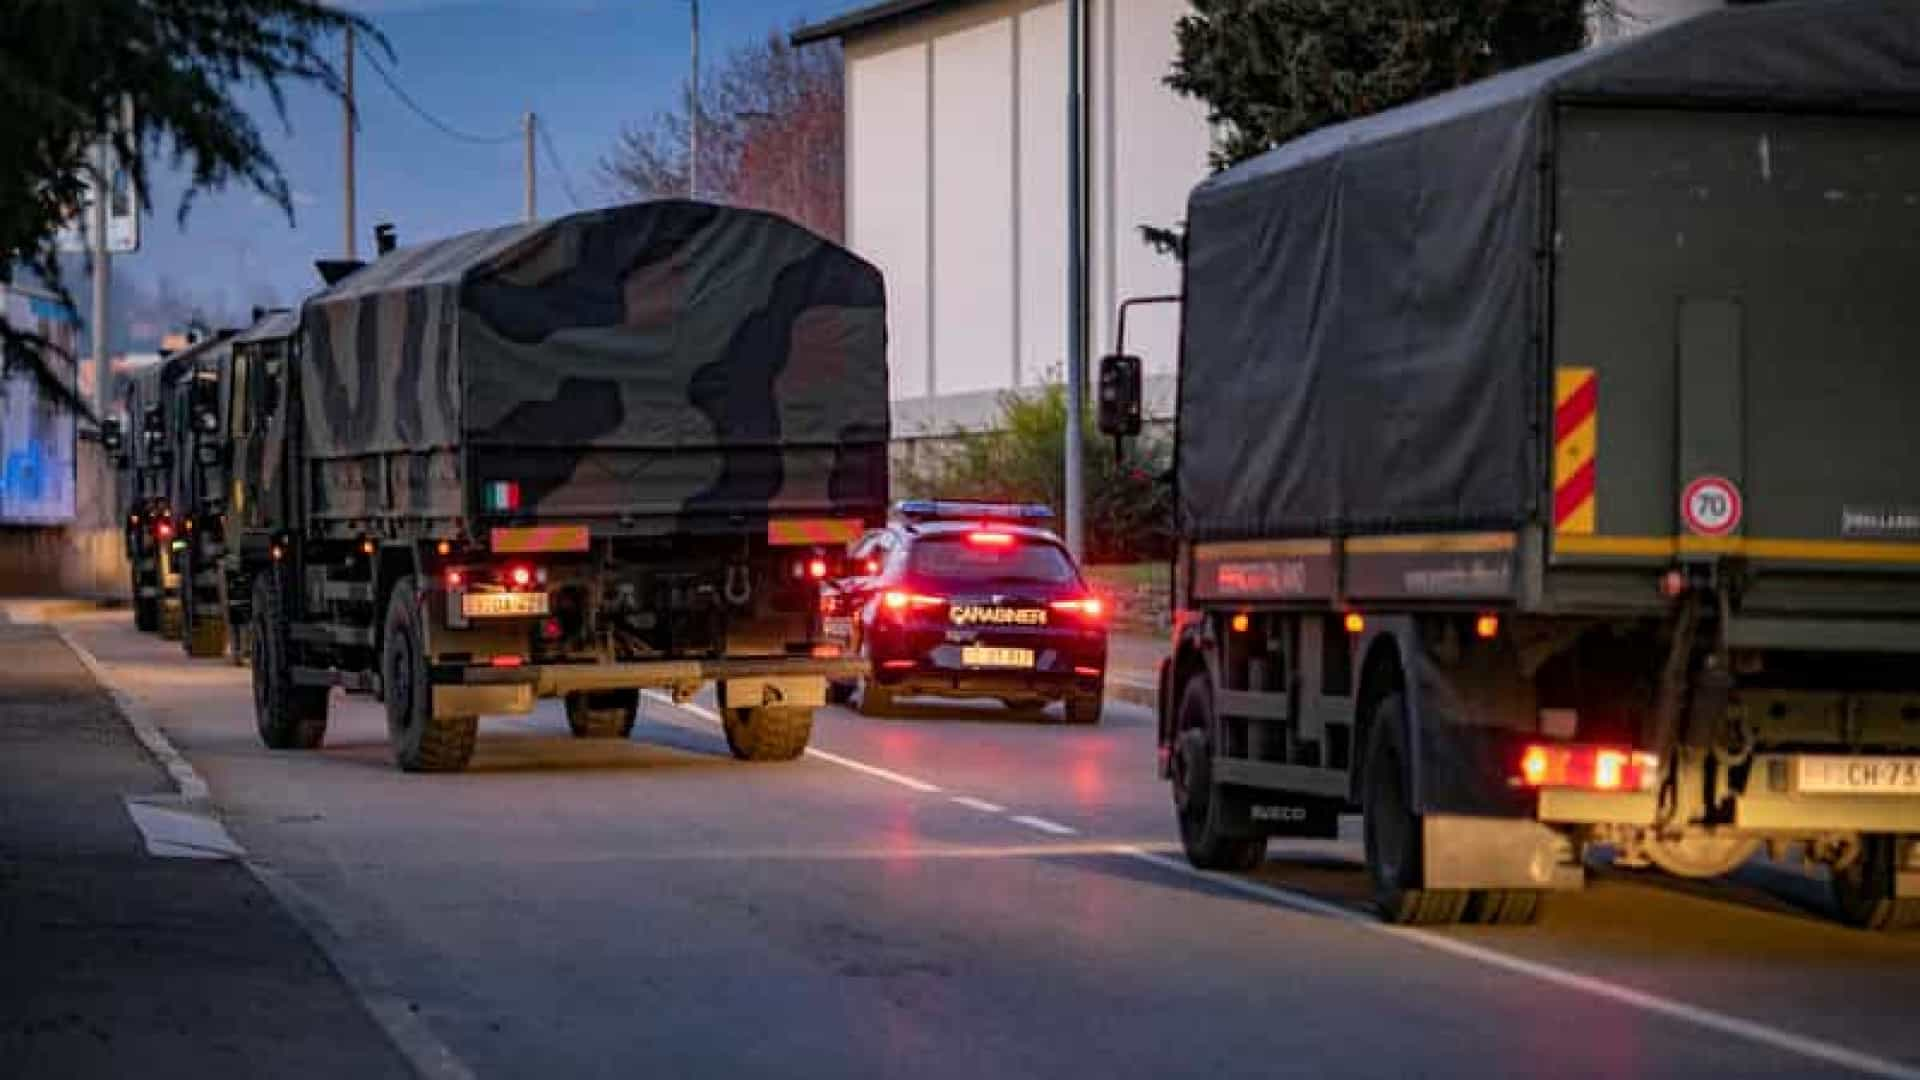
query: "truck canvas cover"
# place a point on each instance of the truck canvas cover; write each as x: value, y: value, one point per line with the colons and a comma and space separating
x: 650, y: 361
x: 1365, y: 333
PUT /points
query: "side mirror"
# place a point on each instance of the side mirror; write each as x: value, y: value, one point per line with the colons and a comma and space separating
x: 113, y: 435
x: 1120, y: 396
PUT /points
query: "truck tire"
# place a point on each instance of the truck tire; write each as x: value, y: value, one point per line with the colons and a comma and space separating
x: 840, y: 691
x: 146, y: 613
x: 1393, y: 837
x: 1082, y: 710
x: 602, y: 714
x: 875, y: 700
x: 289, y: 717
x: 421, y: 741
x: 171, y: 619
x: 1196, y: 800
x: 206, y: 639
x: 769, y: 733
x: 1504, y: 907
x: 1864, y: 892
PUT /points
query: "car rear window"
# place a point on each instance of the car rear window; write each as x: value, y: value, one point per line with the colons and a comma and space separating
x: 956, y: 559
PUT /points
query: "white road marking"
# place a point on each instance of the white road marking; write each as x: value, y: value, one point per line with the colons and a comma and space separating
x: 1052, y: 828
x: 875, y: 771
x: 1805, y: 1046
x: 981, y: 805
x: 176, y: 829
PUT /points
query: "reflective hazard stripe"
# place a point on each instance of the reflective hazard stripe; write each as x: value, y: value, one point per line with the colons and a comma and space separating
x: 1576, y: 419
x: 791, y: 532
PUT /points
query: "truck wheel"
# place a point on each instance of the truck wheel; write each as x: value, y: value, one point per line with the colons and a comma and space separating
x: 602, y: 714
x: 239, y: 644
x: 769, y: 733
x: 170, y: 620
x: 875, y: 700
x: 146, y: 614
x: 1082, y: 710
x: 422, y: 742
x: 1864, y: 892
x: 840, y: 691
x: 207, y: 638
x: 289, y: 717
x: 1196, y: 801
x: 1503, y: 907
x: 1393, y: 840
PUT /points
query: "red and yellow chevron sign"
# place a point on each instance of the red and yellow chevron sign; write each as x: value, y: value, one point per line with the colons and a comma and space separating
x: 792, y: 532
x: 534, y: 539
x: 1576, y: 419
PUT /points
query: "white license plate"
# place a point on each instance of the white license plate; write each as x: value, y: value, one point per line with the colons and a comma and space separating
x: 982, y: 656
x: 1858, y: 776
x: 837, y: 629
x: 489, y: 605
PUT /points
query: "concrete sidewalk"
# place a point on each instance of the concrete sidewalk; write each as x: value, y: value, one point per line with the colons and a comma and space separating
x: 114, y: 962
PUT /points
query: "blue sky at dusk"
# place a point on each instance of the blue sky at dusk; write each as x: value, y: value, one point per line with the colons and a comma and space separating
x: 586, y: 67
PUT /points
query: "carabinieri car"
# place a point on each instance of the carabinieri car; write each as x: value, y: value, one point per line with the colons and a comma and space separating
x: 969, y: 600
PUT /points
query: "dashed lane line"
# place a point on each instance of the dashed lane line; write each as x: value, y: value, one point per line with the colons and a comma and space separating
x: 981, y: 805
x: 1051, y: 828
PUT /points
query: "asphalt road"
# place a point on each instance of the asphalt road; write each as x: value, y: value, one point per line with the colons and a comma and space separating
x: 955, y: 893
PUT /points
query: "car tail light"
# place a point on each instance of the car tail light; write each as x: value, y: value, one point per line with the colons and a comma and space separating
x: 1090, y: 607
x: 1591, y: 768
x: 898, y: 665
x: 508, y: 661
x: 990, y: 539
x: 901, y: 601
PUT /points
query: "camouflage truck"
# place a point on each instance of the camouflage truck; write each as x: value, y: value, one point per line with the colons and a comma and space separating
x: 1546, y: 475
x: 145, y: 434
x: 196, y: 483
x: 579, y: 458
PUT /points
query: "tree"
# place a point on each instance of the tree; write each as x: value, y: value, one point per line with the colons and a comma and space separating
x: 66, y: 67
x: 772, y: 137
x: 1271, y: 71
x: 1023, y: 459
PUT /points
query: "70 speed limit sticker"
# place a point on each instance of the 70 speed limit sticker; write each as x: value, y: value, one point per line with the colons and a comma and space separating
x: 1711, y: 506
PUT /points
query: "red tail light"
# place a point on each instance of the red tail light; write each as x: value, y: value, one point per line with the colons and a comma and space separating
x: 520, y: 576
x: 454, y: 578
x: 990, y: 539
x: 901, y: 601
x: 817, y: 569
x: 508, y: 661
x: 1593, y: 768
x: 163, y: 529
x: 1090, y: 607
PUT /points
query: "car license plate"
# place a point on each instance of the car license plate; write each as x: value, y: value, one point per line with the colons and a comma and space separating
x: 982, y: 656
x: 488, y: 605
x: 1858, y: 776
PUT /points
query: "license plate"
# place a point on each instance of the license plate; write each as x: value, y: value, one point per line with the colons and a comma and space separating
x: 1858, y: 776
x: 489, y: 605
x: 982, y: 656
x: 837, y: 629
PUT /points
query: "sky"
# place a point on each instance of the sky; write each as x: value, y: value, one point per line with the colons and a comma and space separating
x: 587, y: 68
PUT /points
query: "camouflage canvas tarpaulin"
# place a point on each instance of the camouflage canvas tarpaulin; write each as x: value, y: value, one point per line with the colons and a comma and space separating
x: 637, y: 361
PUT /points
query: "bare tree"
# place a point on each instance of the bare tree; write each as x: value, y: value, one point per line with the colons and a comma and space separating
x: 772, y: 137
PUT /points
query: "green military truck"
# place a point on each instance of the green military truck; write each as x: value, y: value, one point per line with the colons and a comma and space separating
x: 144, y: 435
x: 196, y: 420
x: 575, y: 459
x: 1548, y: 476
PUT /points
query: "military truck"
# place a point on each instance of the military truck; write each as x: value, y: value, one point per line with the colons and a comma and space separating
x: 251, y: 396
x: 196, y: 482
x: 142, y: 437
x: 1546, y: 475
x: 579, y: 458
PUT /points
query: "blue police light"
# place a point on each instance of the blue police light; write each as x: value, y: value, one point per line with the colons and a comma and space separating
x: 966, y: 510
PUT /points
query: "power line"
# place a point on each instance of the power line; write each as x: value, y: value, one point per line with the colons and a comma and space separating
x: 553, y: 158
x: 445, y: 128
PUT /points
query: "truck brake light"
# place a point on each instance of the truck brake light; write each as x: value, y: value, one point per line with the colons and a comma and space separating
x: 1593, y: 768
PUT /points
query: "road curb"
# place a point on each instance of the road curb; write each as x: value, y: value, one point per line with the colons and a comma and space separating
x: 193, y: 789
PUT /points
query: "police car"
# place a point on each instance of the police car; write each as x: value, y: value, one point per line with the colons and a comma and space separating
x: 971, y: 600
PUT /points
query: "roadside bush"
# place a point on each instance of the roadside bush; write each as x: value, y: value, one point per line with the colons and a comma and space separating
x: 1129, y: 502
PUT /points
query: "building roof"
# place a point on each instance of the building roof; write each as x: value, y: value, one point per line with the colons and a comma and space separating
x: 871, y: 17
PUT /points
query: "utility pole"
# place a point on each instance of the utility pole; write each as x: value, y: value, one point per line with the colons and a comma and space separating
x: 532, y: 213
x: 693, y: 109
x: 102, y: 277
x: 352, y: 228
x: 1076, y: 280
